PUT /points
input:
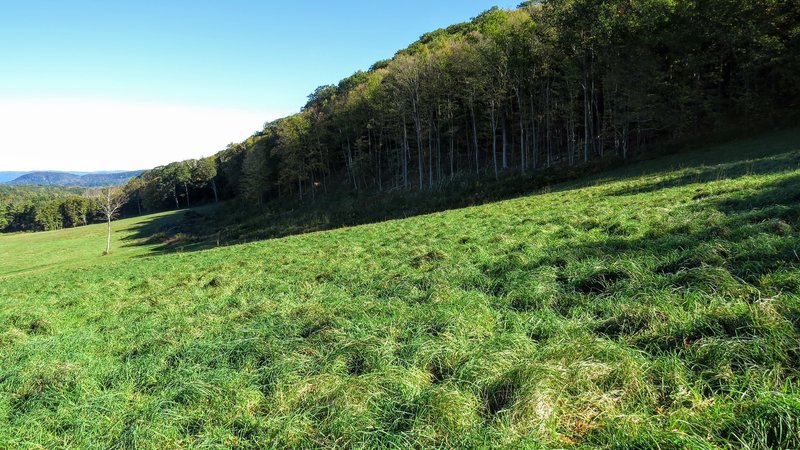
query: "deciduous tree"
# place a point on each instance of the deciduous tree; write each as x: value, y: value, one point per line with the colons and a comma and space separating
x: 109, y: 201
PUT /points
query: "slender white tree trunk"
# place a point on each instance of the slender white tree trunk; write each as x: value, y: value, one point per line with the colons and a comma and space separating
x: 108, y: 236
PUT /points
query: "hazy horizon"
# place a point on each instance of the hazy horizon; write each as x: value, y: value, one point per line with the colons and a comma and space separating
x: 73, y: 172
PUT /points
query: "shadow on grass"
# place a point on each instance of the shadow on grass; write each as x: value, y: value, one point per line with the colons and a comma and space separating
x: 706, y: 246
x: 150, y: 227
x: 702, y: 156
x: 767, y: 165
x: 230, y: 224
x: 164, y: 230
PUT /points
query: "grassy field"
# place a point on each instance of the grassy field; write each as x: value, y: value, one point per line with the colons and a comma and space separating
x: 655, y: 306
x: 80, y: 248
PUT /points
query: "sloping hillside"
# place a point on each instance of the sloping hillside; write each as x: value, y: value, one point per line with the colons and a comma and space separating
x: 48, y: 178
x: 71, y: 179
x: 72, y: 248
x: 657, y: 306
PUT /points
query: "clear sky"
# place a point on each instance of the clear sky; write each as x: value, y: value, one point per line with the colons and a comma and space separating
x: 131, y: 84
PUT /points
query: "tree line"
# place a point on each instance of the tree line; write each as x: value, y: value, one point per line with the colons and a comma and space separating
x: 43, y: 208
x: 47, y: 208
x: 549, y: 84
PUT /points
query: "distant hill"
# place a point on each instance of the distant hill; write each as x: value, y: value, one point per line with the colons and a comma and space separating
x: 9, y: 176
x: 48, y: 178
x: 72, y: 179
x: 108, y: 179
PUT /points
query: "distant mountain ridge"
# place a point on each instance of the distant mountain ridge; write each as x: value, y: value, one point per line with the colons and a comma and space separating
x: 45, y: 178
x: 10, y: 175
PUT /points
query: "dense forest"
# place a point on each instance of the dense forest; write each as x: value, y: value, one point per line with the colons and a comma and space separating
x: 43, y: 208
x: 551, y: 84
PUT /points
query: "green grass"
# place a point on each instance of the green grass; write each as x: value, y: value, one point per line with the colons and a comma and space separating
x: 78, y: 248
x: 656, y: 306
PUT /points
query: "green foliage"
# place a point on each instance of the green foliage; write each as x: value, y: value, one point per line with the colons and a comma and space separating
x: 256, y: 178
x: 47, y: 216
x: 75, y: 211
x: 652, y: 306
x: 38, y: 208
x: 551, y: 84
x: 204, y: 170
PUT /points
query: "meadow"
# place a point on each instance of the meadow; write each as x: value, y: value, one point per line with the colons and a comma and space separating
x: 25, y: 253
x: 652, y: 306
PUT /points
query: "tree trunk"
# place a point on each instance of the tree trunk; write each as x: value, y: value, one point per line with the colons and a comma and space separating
x: 186, y: 189
x: 571, y: 135
x: 312, y: 187
x: 625, y: 141
x: 405, y: 155
x: 369, y: 152
x: 350, y: 164
x: 430, y: 152
x: 108, y: 236
x: 380, y: 172
x: 420, y: 145
x: 475, y: 139
x: 452, y: 138
x: 548, y: 116
x: 438, y: 139
x: 214, y: 187
x: 522, y: 153
x: 585, y: 119
x: 452, y: 154
x: 505, y: 141
x: 534, y: 140
x: 494, y: 141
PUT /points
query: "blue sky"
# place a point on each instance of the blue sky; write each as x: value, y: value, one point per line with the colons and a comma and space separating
x: 247, y: 60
